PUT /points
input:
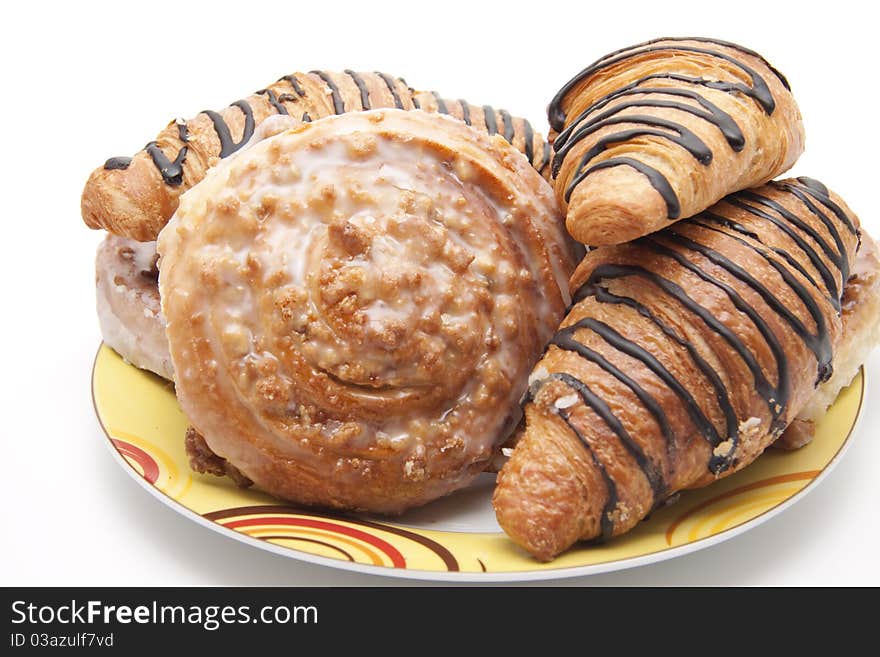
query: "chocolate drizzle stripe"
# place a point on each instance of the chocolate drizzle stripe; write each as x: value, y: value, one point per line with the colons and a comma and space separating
x: 815, y: 185
x: 713, y: 41
x: 507, y: 121
x: 624, y: 345
x: 415, y: 102
x: 815, y: 259
x: 295, y: 84
x: 273, y: 100
x: 678, y: 135
x: 733, y: 227
x: 606, y: 522
x: 362, y: 88
x: 564, y: 339
x: 715, y: 114
x: 729, y: 223
x: 171, y: 171
x: 820, y: 192
x: 227, y: 145
x: 529, y: 137
x: 182, y: 131
x: 465, y: 111
x: 441, y: 104
x: 572, y: 135
x: 545, y: 158
x: 489, y: 119
x: 115, y: 163
x: 819, y: 343
x: 601, y: 408
x: 306, y: 118
x: 775, y: 398
x: 658, y: 181
x: 338, y: 105
x: 760, y: 91
x: 717, y: 85
x: 839, y: 259
x: 722, y: 395
x: 392, y: 88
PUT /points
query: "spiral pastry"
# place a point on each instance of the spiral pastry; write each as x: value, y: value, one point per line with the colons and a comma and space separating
x: 685, y: 354
x: 662, y: 130
x: 135, y: 196
x: 354, y: 305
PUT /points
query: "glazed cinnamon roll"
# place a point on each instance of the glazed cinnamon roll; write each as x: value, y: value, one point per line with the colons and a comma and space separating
x: 353, y: 305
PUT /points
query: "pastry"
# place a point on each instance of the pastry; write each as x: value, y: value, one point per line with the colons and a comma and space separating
x: 204, y: 461
x: 860, y: 318
x: 685, y: 354
x: 127, y: 289
x: 135, y: 196
x: 517, y: 131
x: 126, y: 281
x: 354, y: 305
x: 664, y: 129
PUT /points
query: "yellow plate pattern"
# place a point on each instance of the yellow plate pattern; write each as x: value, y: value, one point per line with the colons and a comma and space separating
x: 145, y: 425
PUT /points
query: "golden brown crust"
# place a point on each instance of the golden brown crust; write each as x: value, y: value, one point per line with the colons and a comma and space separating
x: 796, y: 435
x: 353, y: 305
x: 204, y: 461
x: 135, y: 197
x: 860, y: 317
x: 516, y: 131
x: 662, y: 130
x: 684, y: 356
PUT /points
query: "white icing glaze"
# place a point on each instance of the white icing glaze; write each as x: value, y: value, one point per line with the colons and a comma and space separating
x: 128, y: 307
x: 350, y: 288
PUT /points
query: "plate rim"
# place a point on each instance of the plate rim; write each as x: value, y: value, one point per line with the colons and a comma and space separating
x: 613, y: 565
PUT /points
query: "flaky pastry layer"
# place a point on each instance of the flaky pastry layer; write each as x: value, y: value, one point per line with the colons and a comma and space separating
x: 685, y: 354
x: 664, y: 129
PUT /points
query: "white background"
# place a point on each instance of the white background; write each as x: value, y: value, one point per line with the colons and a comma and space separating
x: 84, y: 81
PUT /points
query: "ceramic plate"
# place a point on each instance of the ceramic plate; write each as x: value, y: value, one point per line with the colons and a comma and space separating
x: 455, y: 538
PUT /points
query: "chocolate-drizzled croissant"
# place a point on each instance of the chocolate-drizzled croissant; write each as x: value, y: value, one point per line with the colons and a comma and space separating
x: 685, y: 354
x: 664, y: 129
x: 135, y: 196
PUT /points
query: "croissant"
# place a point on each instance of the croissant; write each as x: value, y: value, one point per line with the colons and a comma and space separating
x: 353, y: 305
x: 664, y: 129
x: 135, y: 196
x: 685, y: 354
